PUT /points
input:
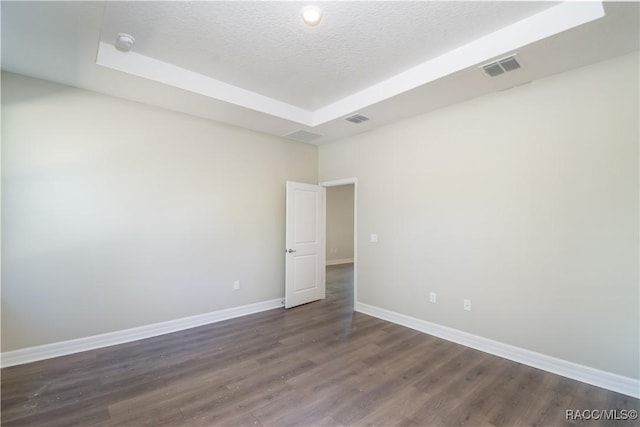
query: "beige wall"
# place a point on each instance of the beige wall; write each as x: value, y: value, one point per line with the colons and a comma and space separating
x: 339, y: 223
x: 117, y: 215
x: 524, y: 201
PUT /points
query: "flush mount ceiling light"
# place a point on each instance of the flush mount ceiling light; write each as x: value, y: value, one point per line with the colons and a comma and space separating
x: 124, y: 42
x: 311, y: 15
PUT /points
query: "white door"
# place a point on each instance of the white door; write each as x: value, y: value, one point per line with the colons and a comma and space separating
x: 305, y: 253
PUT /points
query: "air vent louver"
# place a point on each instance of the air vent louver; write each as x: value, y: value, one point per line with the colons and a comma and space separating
x: 357, y: 118
x: 509, y: 64
x: 493, y: 69
x: 501, y: 66
x: 303, y: 136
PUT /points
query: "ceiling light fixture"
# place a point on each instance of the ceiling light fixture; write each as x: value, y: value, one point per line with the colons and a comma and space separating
x: 124, y: 42
x: 311, y: 15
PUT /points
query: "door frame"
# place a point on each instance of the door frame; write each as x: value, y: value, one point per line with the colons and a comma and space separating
x: 336, y: 183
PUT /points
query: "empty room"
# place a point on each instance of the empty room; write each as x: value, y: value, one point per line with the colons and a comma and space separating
x: 283, y: 213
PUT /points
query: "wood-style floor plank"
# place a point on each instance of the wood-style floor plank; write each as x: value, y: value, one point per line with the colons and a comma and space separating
x: 319, y: 364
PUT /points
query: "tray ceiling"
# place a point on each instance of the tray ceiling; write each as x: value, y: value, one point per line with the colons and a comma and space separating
x: 257, y: 65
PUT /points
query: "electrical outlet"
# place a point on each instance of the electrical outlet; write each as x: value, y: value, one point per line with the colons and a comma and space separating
x: 236, y: 285
x: 467, y: 304
x: 433, y: 297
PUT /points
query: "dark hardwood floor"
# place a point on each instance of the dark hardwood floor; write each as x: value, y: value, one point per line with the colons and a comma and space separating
x: 318, y: 364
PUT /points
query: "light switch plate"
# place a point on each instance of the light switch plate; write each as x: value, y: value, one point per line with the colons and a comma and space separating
x: 374, y: 238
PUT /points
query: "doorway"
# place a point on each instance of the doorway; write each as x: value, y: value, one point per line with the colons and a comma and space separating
x: 341, y: 235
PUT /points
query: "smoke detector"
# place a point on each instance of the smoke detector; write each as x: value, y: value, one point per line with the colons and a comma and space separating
x: 124, y: 42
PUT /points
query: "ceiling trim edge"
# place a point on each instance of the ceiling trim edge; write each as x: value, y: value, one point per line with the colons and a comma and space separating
x: 499, y: 43
x: 529, y: 30
x: 172, y: 75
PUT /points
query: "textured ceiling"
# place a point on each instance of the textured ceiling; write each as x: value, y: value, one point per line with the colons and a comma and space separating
x: 256, y: 65
x: 266, y: 48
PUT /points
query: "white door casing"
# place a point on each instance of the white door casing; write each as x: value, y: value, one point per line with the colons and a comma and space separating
x: 305, y: 244
x: 351, y: 181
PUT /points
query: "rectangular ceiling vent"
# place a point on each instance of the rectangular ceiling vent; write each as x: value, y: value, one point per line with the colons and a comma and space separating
x: 501, y: 66
x: 357, y: 118
x: 303, y: 136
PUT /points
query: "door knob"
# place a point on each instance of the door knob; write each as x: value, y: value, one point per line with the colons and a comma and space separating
x: 290, y: 251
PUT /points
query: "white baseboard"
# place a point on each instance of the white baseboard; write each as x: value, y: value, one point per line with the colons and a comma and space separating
x: 339, y: 261
x: 607, y: 380
x: 599, y: 378
x: 47, y: 351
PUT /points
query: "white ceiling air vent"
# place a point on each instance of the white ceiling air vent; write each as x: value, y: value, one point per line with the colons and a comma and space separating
x: 357, y: 118
x: 501, y: 66
x: 303, y: 136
